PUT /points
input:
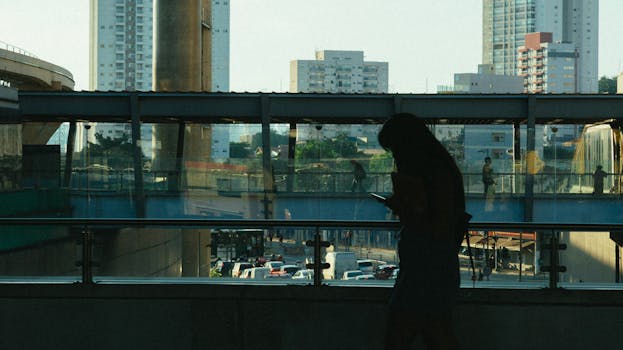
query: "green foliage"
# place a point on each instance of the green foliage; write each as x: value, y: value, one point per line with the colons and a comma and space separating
x: 117, y: 153
x: 276, y: 139
x: 341, y: 146
x: 608, y: 85
x: 382, y: 163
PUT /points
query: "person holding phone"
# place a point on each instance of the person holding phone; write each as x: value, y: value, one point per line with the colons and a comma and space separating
x: 428, y: 199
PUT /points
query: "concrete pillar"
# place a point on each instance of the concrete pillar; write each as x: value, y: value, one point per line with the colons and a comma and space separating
x: 182, y: 63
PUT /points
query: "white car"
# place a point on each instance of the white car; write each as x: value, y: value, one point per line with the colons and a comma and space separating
x: 274, y: 265
x: 365, y: 277
x: 303, y: 275
x: 352, y: 274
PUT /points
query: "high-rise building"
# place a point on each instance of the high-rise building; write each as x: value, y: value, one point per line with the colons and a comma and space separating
x: 547, y: 67
x: 121, y: 45
x: 122, y: 58
x: 338, y: 72
x: 575, y: 22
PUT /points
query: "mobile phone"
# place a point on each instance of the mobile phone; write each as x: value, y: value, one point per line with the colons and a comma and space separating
x: 378, y: 197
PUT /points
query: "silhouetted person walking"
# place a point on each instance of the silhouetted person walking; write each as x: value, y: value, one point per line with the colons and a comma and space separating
x: 429, y: 200
x: 598, y: 180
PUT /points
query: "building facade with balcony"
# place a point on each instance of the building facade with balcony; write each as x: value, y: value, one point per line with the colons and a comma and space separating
x: 338, y: 72
x: 574, y: 22
x: 548, y: 67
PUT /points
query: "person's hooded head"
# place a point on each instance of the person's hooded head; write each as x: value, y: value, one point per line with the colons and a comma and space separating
x: 411, y: 142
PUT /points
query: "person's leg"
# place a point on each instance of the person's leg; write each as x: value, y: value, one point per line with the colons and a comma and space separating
x: 402, y: 328
x: 439, y: 332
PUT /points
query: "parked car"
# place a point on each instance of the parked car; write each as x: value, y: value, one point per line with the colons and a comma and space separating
x: 365, y: 277
x: 291, y: 269
x: 351, y: 275
x: 394, y: 274
x: 280, y: 274
x: 255, y: 273
x: 383, y: 272
x: 274, y: 265
x: 305, y: 274
x: 236, y: 271
x: 367, y: 266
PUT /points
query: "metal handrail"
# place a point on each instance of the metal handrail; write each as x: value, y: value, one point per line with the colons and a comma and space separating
x: 252, y: 223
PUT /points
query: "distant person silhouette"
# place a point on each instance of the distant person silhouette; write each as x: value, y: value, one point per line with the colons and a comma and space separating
x: 429, y: 200
x: 598, y: 180
x: 358, y: 175
x: 487, y: 177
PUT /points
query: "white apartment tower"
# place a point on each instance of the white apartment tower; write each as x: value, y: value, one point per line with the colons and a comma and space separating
x: 121, y: 56
x: 575, y: 22
x: 338, y: 72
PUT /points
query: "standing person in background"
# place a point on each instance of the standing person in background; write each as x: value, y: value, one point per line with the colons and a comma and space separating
x: 487, y: 177
x: 429, y: 200
x: 598, y: 180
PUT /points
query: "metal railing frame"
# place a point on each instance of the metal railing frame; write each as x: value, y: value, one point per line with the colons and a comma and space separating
x: 87, y: 235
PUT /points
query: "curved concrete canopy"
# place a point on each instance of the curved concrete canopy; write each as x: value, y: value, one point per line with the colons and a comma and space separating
x: 25, y: 72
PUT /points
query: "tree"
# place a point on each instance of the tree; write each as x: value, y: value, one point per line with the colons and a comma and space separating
x: 342, y: 146
x: 608, y: 85
x: 117, y: 152
x: 276, y: 139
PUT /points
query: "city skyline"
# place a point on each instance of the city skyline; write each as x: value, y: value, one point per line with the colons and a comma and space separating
x: 421, y: 42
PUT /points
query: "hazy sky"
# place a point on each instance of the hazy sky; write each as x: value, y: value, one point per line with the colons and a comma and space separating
x: 425, y: 42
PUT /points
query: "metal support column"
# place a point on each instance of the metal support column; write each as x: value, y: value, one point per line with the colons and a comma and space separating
x: 531, y: 160
x: 291, y: 157
x: 139, y: 190
x: 269, y: 178
x: 69, y: 155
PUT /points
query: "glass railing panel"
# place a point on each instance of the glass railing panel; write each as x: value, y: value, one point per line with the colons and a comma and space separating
x: 33, y: 254
x: 591, y: 260
x: 501, y: 259
x: 360, y: 257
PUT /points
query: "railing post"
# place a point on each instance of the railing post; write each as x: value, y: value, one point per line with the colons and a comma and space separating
x: 317, y: 265
x: 553, y: 261
x: 87, y: 256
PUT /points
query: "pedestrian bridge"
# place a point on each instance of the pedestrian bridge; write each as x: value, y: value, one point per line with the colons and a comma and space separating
x: 95, y: 270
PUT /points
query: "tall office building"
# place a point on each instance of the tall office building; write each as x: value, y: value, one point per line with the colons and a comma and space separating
x: 576, y: 22
x: 122, y: 58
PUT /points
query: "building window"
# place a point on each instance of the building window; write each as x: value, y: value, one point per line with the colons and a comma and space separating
x: 497, y: 137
